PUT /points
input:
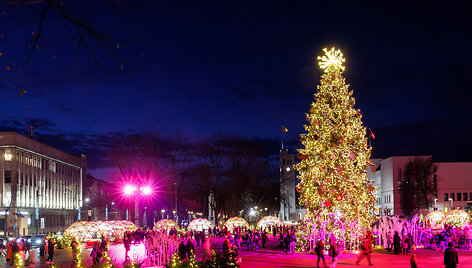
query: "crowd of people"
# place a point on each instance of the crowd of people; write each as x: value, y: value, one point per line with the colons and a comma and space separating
x: 160, y: 245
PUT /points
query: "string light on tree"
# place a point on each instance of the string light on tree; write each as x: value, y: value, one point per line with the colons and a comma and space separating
x: 333, y: 169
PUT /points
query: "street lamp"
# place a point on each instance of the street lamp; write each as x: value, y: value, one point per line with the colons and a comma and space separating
x: 435, y: 205
x: 131, y: 190
x: 452, y: 203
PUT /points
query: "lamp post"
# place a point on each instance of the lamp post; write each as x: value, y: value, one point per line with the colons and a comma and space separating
x: 435, y: 204
x: 452, y: 203
x: 130, y: 190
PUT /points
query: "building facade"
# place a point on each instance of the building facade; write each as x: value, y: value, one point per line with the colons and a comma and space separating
x: 453, y: 180
x: 290, y: 210
x: 40, y: 183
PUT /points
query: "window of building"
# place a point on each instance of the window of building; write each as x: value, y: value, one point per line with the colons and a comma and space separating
x: 453, y: 197
x: 470, y: 196
x: 464, y: 196
x: 446, y: 196
x: 459, y: 197
x: 7, y: 176
x: 8, y: 155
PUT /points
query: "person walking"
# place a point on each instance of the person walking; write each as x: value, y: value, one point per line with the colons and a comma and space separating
x: 389, y: 241
x: 8, y: 246
x: 293, y: 242
x: 2, y: 248
x: 396, y: 243
x: 50, y: 259
x: 413, y: 263
x: 127, y: 244
x: 14, y: 250
x: 74, y: 246
x: 405, y: 244
x: 333, y: 253
x: 451, y: 259
x: 366, y: 249
x: 319, y: 249
x: 95, y: 254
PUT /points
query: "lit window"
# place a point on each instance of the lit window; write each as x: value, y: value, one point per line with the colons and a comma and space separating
x: 8, y: 156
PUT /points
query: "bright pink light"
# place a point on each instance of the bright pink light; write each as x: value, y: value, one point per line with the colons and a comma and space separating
x: 129, y: 189
x: 146, y: 190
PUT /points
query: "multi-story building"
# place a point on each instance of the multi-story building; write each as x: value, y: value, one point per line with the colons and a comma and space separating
x: 40, y: 183
x: 290, y: 210
x: 453, y: 180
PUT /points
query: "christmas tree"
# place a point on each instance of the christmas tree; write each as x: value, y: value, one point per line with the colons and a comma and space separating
x: 333, y: 186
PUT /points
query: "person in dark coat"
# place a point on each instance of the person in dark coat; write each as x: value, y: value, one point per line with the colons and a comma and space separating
x: 14, y: 250
x: 42, y: 247
x: 226, y: 246
x: 413, y: 262
x: 182, y: 250
x: 127, y: 244
x: 451, y: 259
x: 397, y: 247
x: 50, y: 252
x: 95, y: 254
x: 190, y: 248
x: 319, y: 249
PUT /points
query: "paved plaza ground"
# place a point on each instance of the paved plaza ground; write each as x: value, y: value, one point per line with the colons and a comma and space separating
x: 271, y: 256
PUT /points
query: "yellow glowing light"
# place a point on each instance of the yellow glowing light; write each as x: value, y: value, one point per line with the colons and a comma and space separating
x: 332, y: 60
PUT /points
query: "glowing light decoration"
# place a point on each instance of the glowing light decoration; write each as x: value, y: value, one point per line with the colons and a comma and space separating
x: 334, y: 188
x: 457, y: 218
x: 332, y: 60
x: 200, y: 224
x: 89, y: 231
x: 434, y: 219
x: 233, y: 222
x: 166, y: 224
x: 268, y: 221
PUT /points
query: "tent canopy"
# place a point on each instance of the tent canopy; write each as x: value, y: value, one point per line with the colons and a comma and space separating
x: 268, y: 221
x: 434, y: 219
x: 166, y: 224
x: 456, y: 218
x: 236, y: 222
x: 200, y: 224
x: 94, y: 230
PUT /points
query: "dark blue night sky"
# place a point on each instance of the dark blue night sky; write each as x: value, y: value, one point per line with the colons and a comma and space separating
x: 239, y: 68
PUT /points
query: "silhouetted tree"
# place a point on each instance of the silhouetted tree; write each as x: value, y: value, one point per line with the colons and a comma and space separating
x: 418, y: 186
